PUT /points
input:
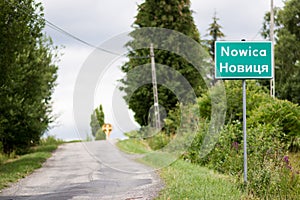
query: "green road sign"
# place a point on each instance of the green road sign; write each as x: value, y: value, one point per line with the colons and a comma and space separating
x: 243, y: 60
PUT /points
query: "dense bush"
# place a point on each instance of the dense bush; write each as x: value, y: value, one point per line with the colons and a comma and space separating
x: 273, y: 130
x: 256, y: 95
x: 280, y: 113
x: 269, y: 174
x: 100, y: 135
x: 148, y: 134
x: 158, y: 141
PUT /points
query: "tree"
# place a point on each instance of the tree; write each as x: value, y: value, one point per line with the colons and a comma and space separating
x: 287, y: 54
x: 215, y: 32
x: 100, y: 115
x: 94, y: 124
x: 170, y: 14
x: 97, y: 120
x: 27, y: 75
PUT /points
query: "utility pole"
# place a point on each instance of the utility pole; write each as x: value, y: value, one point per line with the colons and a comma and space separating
x: 272, y: 81
x: 155, y: 93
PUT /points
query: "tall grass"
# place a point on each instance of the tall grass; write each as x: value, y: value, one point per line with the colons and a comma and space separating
x: 189, y: 181
x: 184, y: 180
x: 136, y: 146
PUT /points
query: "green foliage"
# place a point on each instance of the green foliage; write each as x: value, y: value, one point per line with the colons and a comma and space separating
x: 94, y: 124
x: 13, y: 168
x: 188, y: 181
x: 256, y: 95
x: 27, y: 75
x: 154, y: 140
x: 50, y: 140
x: 100, y: 115
x: 215, y: 32
x: 100, y: 135
x: 283, y: 114
x: 268, y: 174
x: 287, y: 54
x: 21, y: 167
x: 183, y: 180
x: 137, y: 146
x: 273, y: 129
x: 158, y: 141
x: 174, y: 15
x: 97, y: 120
x: 132, y: 134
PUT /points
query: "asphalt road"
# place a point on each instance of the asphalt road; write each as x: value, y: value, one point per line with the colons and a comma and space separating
x: 91, y: 170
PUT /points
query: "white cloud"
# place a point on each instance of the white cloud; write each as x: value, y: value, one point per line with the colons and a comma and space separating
x: 69, y: 67
x: 90, y: 20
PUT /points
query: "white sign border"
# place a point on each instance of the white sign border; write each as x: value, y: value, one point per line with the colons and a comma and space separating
x: 244, y: 77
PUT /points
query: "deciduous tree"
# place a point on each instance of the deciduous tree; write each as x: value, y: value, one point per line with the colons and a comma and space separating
x: 287, y: 53
x: 27, y: 74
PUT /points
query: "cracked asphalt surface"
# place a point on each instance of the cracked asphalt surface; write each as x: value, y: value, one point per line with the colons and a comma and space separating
x: 88, y: 170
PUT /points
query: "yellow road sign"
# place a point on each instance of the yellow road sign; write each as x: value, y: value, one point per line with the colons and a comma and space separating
x: 107, y: 128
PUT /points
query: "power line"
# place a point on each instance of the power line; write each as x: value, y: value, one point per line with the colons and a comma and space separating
x: 68, y: 34
x: 55, y: 27
x: 258, y: 32
x: 62, y: 31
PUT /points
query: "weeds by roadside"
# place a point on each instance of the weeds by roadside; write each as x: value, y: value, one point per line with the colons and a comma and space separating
x: 184, y: 180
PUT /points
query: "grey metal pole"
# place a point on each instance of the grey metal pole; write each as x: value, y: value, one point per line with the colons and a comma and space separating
x: 272, y: 81
x: 245, y: 131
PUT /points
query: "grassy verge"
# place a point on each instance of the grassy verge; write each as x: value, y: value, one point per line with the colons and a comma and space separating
x: 184, y: 180
x: 13, y: 169
x: 188, y: 181
x: 133, y: 146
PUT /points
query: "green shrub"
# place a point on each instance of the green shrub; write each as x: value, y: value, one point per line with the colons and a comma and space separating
x: 133, y: 145
x: 50, y: 140
x: 132, y: 134
x: 100, y: 135
x: 193, y: 151
x: 280, y: 113
x: 269, y: 175
x: 3, y: 158
x: 256, y: 95
x: 158, y: 141
x: 265, y: 160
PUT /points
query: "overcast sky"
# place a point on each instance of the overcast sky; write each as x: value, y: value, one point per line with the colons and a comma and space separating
x: 97, y: 21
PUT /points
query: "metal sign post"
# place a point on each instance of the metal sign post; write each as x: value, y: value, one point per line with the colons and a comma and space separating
x: 245, y: 131
x: 241, y: 60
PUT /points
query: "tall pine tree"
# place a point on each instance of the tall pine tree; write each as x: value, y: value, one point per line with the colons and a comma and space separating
x: 214, y: 31
x: 169, y: 14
